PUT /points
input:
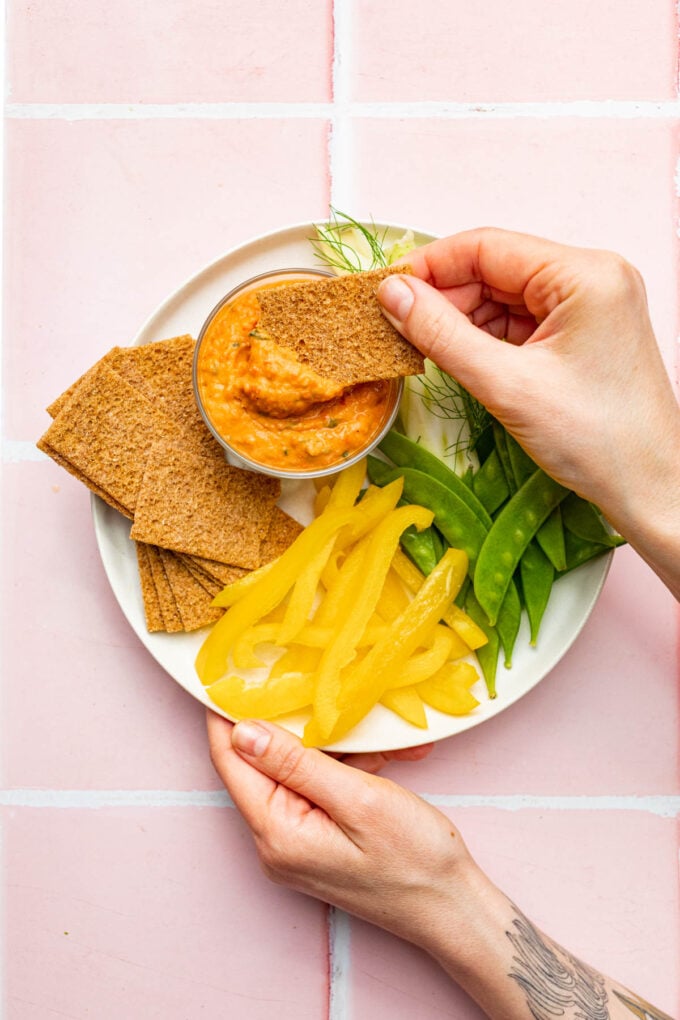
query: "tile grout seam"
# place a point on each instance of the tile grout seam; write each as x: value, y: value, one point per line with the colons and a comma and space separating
x: 342, y: 107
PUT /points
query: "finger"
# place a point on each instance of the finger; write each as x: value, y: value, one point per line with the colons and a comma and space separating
x: 445, y: 335
x: 374, y: 761
x: 249, y: 788
x: 508, y: 263
x: 279, y: 755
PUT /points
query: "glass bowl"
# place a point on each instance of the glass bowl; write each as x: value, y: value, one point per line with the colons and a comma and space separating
x: 252, y: 428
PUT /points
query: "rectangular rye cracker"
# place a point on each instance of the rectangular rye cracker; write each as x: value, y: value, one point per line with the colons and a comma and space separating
x: 104, y: 432
x: 200, y: 505
x: 336, y: 327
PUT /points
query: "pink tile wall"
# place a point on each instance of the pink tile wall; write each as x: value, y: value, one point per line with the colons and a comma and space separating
x: 171, y: 52
x: 141, y: 142
x: 538, y: 52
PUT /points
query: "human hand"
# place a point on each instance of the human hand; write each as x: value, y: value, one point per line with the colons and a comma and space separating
x: 580, y: 383
x: 352, y: 839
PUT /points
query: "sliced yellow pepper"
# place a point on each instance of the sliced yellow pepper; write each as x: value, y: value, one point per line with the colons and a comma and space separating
x: 364, y: 685
x: 448, y: 690
x: 393, y: 598
x: 244, y: 647
x: 467, y: 629
x: 277, y: 696
x: 296, y: 659
x: 370, y: 559
x: 424, y: 664
x: 408, y: 704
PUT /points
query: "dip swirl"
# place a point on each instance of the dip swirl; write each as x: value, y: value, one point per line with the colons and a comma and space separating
x: 271, y: 407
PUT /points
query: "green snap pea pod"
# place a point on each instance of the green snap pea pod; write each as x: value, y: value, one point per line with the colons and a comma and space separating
x: 521, y: 464
x: 487, y: 655
x: 585, y: 521
x: 550, y: 535
x: 489, y: 484
x: 507, y: 624
x: 462, y: 594
x: 420, y: 547
x: 537, y: 574
x: 500, y: 440
x: 511, y: 532
x: 440, y: 546
x: 407, y: 454
x: 459, y: 525
x: 581, y: 550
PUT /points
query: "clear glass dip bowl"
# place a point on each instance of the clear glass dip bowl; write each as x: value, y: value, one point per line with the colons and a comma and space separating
x: 248, y: 459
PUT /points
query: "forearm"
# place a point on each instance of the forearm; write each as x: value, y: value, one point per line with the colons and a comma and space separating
x: 515, y: 972
x: 643, y: 504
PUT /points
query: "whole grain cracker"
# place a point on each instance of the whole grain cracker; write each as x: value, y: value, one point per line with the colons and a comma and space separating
x: 192, y: 601
x: 201, y: 505
x: 105, y: 431
x: 172, y: 621
x: 336, y: 326
x: 152, y: 608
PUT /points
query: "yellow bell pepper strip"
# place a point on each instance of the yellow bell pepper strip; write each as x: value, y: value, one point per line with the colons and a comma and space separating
x: 369, y: 560
x: 407, y: 703
x: 374, y: 505
x: 321, y: 500
x: 393, y: 598
x: 473, y: 636
x: 424, y: 664
x: 296, y: 659
x: 278, y: 696
x: 367, y: 564
x: 237, y: 589
x: 363, y: 686
x: 313, y: 636
x: 447, y: 690
x: 259, y: 599
x: 244, y: 647
x: 342, y: 496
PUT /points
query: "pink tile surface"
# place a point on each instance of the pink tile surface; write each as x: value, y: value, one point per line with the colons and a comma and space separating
x: 565, y: 871
x: 169, y: 52
x: 100, y: 712
x: 110, y: 217
x: 131, y: 912
x: 481, y: 53
x: 604, y: 183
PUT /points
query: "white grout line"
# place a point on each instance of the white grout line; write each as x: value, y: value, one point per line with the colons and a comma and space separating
x: 664, y: 806
x: 342, y: 107
x: 339, y: 964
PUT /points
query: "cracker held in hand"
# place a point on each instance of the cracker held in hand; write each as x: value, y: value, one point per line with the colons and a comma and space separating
x: 337, y: 327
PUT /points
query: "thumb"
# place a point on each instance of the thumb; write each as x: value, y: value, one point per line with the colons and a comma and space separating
x: 443, y: 333
x: 280, y: 755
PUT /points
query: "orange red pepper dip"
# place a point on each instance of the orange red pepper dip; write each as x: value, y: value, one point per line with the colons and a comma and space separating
x: 272, y: 408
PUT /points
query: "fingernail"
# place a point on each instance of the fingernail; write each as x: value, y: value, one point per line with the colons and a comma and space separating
x: 396, y: 297
x: 251, y: 738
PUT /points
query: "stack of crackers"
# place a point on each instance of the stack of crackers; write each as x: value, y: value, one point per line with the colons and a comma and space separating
x: 129, y: 429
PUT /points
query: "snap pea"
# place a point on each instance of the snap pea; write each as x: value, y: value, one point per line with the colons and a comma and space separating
x: 507, y: 624
x: 489, y: 483
x: 511, y: 532
x: 501, y: 447
x: 459, y: 525
x: 537, y: 574
x: 581, y: 550
x: 550, y: 535
x: 584, y: 520
x: 405, y: 453
x: 487, y: 655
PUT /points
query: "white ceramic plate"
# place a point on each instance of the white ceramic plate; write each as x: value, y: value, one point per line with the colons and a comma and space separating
x: 571, y: 601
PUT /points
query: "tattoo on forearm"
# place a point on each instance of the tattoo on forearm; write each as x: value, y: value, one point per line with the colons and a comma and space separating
x: 555, y: 983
